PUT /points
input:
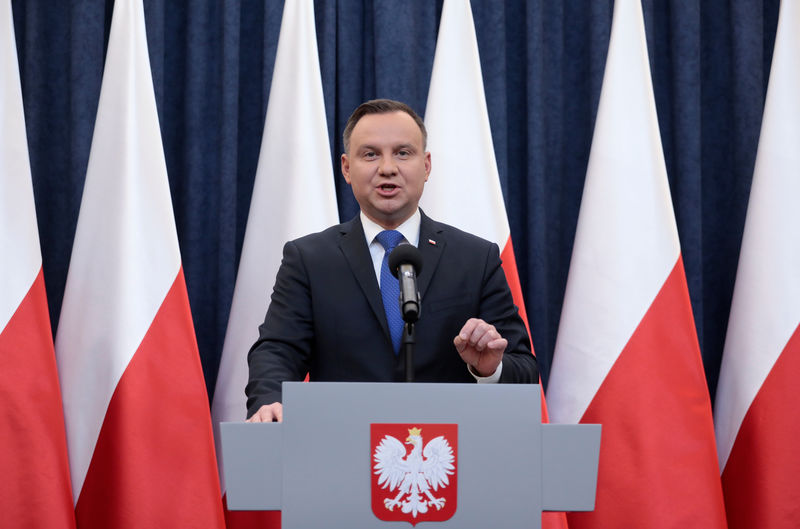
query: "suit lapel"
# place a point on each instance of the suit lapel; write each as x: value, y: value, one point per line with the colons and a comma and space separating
x: 354, y: 247
x: 431, y: 245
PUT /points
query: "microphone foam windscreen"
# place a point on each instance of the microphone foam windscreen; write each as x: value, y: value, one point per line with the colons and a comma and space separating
x: 405, y: 253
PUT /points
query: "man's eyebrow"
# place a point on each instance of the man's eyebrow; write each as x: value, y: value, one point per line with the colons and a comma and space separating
x: 370, y: 147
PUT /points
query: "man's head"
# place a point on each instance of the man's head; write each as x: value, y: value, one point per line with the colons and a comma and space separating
x: 385, y: 161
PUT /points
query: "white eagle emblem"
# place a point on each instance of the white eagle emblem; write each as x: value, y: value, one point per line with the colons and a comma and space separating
x: 415, y: 475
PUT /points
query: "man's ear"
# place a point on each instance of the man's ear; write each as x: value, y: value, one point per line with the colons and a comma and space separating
x: 346, y: 168
x: 427, y: 165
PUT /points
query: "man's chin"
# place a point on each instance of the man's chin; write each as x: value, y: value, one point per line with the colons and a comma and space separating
x: 389, y: 217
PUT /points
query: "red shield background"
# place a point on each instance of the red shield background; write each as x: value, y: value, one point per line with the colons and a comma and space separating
x: 449, y: 492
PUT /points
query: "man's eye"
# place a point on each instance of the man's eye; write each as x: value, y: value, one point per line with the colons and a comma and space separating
x: 370, y: 154
x: 404, y: 153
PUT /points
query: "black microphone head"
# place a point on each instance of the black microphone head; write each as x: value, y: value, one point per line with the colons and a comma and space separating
x: 405, y: 253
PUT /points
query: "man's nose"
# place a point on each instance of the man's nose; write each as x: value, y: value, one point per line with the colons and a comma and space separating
x: 388, y: 165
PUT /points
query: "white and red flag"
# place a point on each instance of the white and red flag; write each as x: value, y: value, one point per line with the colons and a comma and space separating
x: 293, y: 195
x: 627, y: 354
x: 35, y: 486
x: 756, y: 416
x: 464, y: 186
x: 138, y: 424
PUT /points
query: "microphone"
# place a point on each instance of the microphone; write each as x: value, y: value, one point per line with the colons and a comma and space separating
x: 405, y: 262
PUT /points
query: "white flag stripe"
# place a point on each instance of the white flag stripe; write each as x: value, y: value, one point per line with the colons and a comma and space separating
x: 293, y: 195
x: 626, y: 211
x: 125, y: 255
x: 765, y: 310
x: 464, y: 185
x: 18, y: 268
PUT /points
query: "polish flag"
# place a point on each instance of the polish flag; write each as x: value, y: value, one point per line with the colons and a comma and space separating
x: 627, y: 354
x: 462, y: 154
x: 757, y: 419
x: 293, y: 195
x: 35, y: 486
x: 464, y: 186
x: 138, y: 425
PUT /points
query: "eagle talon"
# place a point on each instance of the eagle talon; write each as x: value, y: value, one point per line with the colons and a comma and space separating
x: 437, y: 502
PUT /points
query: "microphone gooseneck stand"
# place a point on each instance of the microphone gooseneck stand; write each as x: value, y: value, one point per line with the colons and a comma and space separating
x: 409, y: 339
x: 405, y: 262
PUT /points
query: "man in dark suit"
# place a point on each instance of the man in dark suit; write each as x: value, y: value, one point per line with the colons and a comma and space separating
x: 327, y: 316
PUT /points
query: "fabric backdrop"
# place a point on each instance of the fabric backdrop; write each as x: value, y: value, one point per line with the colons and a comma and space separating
x: 542, y: 68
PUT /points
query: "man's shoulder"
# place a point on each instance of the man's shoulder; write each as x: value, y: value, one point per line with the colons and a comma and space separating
x: 452, y: 234
x: 330, y: 234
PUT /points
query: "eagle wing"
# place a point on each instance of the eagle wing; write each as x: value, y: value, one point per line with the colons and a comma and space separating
x: 438, y: 464
x: 389, y: 463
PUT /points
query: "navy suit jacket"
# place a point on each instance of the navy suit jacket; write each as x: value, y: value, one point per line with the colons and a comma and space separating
x: 327, y: 317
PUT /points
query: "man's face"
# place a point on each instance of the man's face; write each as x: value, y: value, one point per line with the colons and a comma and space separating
x: 387, y: 167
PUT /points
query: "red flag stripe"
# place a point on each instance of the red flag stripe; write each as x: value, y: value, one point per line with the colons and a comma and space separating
x: 512, y: 276
x: 143, y: 471
x: 35, y: 487
x: 654, y: 394
x: 760, y: 477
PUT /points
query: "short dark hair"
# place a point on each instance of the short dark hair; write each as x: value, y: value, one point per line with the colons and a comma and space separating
x: 381, y: 106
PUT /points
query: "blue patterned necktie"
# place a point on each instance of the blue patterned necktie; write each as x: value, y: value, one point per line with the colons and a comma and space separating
x: 390, y: 287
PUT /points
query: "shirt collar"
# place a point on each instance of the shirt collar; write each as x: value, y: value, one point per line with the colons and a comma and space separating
x: 409, y: 228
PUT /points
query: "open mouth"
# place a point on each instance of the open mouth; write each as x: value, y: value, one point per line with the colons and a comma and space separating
x: 388, y: 189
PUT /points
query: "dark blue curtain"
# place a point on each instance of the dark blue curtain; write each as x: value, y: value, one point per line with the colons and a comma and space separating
x: 542, y: 67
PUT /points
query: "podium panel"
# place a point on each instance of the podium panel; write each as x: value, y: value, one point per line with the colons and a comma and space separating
x: 320, y: 466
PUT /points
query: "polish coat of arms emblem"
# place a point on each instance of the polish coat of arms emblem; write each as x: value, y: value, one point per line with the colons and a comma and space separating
x: 414, y: 471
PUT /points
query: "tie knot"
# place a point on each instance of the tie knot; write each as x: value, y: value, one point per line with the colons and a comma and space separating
x: 389, y: 239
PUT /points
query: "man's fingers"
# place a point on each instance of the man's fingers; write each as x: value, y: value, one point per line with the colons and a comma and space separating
x: 488, y: 336
x: 468, y: 328
x: 268, y: 413
x: 481, y: 335
x: 498, y: 345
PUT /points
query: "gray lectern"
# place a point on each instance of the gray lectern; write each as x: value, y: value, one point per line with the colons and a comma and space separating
x: 364, y: 455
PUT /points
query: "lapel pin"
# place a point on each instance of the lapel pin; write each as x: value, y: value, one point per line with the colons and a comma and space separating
x: 431, y: 241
